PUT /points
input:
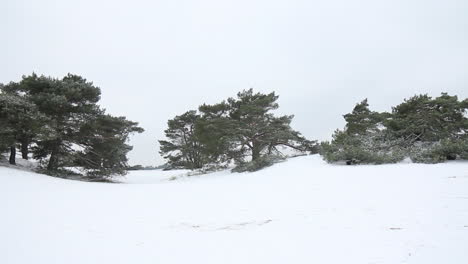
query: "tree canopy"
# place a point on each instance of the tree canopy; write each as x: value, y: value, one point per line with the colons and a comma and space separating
x: 241, y: 128
x: 61, y: 120
x: 423, y: 128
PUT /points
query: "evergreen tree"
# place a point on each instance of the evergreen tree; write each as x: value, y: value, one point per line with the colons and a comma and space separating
x: 6, y: 131
x: 7, y: 138
x: 216, y: 132
x: 364, y: 139
x: 375, y: 147
x: 361, y: 120
x: 68, y: 103
x: 237, y: 129
x: 425, y: 129
x: 66, y: 126
x: 422, y: 118
x: 249, y: 128
x: 183, y: 149
x: 104, y: 143
x: 20, y: 123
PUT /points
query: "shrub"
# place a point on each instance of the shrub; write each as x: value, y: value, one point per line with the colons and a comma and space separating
x: 447, y: 149
x: 371, y: 148
x: 258, y: 164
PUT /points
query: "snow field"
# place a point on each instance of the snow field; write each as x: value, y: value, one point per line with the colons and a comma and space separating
x: 299, y: 211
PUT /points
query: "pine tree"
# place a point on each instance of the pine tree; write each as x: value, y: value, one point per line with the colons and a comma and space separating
x: 364, y: 139
x: 216, y: 132
x: 425, y: 129
x: 422, y: 118
x: 239, y: 129
x: 61, y: 117
x: 104, y: 145
x: 361, y: 120
x: 67, y: 103
x: 249, y: 127
x: 20, y: 123
x: 7, y: 138
x: 183, y: 149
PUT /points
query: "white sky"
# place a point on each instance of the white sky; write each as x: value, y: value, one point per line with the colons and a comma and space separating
x: 156, y: 59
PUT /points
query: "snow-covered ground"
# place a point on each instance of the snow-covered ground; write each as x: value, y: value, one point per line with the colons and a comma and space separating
x: 299, y: 211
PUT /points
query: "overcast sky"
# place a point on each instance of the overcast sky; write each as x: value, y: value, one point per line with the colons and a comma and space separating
x: 156, y: 59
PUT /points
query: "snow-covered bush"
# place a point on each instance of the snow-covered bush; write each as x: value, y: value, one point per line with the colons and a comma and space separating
x: 258, y: 164
x: 435, y: 152
x: 371, y: 148
x: 426, y: 129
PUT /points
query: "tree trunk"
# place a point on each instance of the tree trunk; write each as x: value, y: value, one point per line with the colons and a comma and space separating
x: 24, y: 148
x: 13, y: 155
x: 53, y: 160
x: 255, y: 151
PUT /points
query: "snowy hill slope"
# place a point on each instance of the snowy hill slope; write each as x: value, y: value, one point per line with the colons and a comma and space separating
x: 299, y: 211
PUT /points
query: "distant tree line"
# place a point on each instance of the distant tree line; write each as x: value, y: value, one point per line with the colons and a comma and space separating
x: 242, y: 130
x: 59, y: 122
x: 422, y: 128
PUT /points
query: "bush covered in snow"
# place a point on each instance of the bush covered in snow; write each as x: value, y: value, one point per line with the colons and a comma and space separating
x: 440, y: 151
x: 371, y: 148
x: 258, y: 164
x: 428, y: 130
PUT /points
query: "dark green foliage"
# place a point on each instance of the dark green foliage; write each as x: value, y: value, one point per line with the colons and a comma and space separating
x: 21, y: 123
x: 237, y: 129
x: 68, y: 104
x: 216, y: 131
x: 215, y: 136
x: 248, y: 128
x: 7, y: 137
x: 362, y: 141
x: 422, y: 118
x: 361, y: 120
x: 446, y: 149
x: 366, y: 148
x: 62, y: 120
x: 258, y: 164
x: 183, y: 149
x: 104, y: 141
x: 463, y: 154
x: 71, y: 97
x: 432, y: 129
x: 427, y: 130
